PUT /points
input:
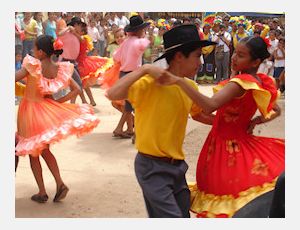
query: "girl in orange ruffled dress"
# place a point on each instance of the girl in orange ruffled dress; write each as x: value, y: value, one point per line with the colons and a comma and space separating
x: 43, y: 120
x: 234, y: 166
x: 90, y: 68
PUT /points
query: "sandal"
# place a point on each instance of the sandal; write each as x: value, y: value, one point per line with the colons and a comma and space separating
x: 121, y: 135
x: 39, y: 198
x: 61, y: 193
x: 129, y: 133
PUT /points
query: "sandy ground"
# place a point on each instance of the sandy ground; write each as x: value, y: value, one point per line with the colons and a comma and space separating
x: 99, y: 169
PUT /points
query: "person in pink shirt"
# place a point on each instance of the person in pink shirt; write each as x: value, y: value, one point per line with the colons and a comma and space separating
x: 129, y: 55
x: 71, y: 48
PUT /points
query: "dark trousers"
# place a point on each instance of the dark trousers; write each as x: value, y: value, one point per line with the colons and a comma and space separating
x: 128, y: 106
x: 277, y: 209
x: 164, y: 187
x: 222, y: 65
x: 208, y: 67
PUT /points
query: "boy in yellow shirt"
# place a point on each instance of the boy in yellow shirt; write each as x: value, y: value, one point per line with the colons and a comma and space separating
x: 161, y: 114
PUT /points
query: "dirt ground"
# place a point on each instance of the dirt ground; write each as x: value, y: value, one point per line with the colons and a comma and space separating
x: 99, y: 169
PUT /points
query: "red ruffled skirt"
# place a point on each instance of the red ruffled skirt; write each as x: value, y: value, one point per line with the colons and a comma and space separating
x: 233, y: 171
x: 91, y: 68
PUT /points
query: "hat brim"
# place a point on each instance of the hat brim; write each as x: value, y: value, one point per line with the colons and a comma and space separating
x: 201, y: 43
x: 128, y: 28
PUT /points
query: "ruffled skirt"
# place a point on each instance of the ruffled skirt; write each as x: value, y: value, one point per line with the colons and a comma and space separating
x: 91, y: 69
x: 233, y: 171
x: 44, y: 122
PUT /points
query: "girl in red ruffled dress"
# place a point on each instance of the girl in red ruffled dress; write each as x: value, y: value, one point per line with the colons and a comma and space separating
x: 91, y: 68
x: 234, y: 166
x: 43, y: 120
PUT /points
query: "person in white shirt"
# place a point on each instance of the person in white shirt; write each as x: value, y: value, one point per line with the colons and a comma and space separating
x: 279, y: 60
x: 94, y: 34
x: 273, y: 42
x: 121, y: 20
x: 103, y: 30
x: 271, y: 49
x: 222, y: 51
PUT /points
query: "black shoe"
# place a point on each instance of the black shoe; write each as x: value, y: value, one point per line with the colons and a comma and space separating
x: 61, y: 193
x: 40, y: 199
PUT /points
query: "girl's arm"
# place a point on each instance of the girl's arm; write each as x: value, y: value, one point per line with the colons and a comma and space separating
x: 209, y: 105
x: 283, y: 52
x: 20, y: 74
x: 31, y: 33
x: 72, y: 30
x: 75, y: 90
x: 260, y: 119
x: 62, y: 31
x: 120, y: 89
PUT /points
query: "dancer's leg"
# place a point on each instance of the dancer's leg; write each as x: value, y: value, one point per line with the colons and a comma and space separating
x: 53, y: 166
x: 38, y: 175
x: 90, y: 95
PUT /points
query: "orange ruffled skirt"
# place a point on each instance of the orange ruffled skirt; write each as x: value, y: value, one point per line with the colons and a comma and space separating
x: 46, y: 121
x: 109, y: 78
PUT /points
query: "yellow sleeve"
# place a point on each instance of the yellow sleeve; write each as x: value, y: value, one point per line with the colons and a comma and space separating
x: 195, y: 109
x: 138, y: 90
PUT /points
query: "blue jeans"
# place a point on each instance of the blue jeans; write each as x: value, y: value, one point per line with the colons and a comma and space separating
x: 128, y: 106
x: 28, y: 47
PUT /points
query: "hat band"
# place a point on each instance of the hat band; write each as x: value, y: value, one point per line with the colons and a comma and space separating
x: 172, y: 47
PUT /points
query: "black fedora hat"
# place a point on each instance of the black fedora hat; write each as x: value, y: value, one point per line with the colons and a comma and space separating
x: 180, y: 36
x: 135, y: 23
x: 75, y: 20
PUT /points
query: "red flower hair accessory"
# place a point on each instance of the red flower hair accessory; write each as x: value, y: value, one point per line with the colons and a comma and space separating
x: 58, y: 44
x: 267, y: 41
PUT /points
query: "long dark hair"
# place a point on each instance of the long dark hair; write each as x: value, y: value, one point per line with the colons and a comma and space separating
x: 45, y: 43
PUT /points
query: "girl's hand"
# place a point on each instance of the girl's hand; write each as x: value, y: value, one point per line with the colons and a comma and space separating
x: 72, y: 29
x: 252, y: 124
x: 155, y: 71
x: 168, y: 78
